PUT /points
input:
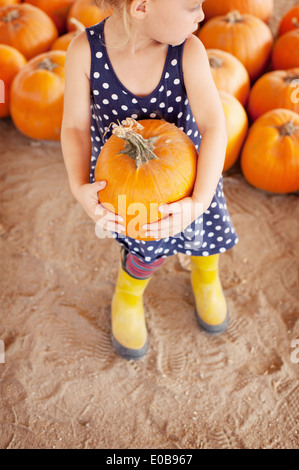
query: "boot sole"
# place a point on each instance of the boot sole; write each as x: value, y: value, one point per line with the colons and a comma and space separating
x: 212, y: 329
x: 128, y: 353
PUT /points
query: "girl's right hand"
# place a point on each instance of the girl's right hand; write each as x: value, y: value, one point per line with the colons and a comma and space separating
x: 87, y: 196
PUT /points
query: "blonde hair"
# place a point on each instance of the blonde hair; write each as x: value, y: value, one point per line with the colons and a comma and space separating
x: 120, y: 6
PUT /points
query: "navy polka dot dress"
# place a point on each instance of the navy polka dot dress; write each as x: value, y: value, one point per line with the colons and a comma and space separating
x: 211, y: 233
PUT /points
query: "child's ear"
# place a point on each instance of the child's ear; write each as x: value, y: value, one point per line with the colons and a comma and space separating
x: 138, y: 8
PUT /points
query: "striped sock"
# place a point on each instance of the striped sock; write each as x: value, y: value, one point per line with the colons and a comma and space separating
x: 140, y: 270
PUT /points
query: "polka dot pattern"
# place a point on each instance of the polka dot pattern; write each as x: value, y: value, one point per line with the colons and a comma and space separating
x: 211, y: 233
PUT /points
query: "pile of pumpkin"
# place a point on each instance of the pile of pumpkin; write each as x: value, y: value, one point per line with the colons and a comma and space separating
x: 257, y: 77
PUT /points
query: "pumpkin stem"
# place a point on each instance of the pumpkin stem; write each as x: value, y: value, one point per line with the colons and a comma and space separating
x: 47, y: 64
x: 11, y: 15
x: 78, y: 25
x: 287, y: 128
x: 136, y: 147
x: 215, y: 62
x: 234, y: 16
x: 295, y: 22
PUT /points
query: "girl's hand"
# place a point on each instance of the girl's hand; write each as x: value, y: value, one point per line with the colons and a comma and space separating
x: 87, y: 196
x: 181, y: 214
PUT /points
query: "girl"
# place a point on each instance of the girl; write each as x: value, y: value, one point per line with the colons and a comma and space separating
x: 144, y: 62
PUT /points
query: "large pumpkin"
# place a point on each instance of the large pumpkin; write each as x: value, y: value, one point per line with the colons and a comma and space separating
x: 289, y: 21
x: 36, y: 98
x: 229, y: 74
x: 26, y: 28
x: 260, y: 8
x: 145, y: 164
x: 270, y: 156
x: 87, y: 12
x: 236, y: 126
x: 276, y: 89
x: 11, y: 63
x: 245, y: 36
x: 285, y: 54
x: 56, y: 9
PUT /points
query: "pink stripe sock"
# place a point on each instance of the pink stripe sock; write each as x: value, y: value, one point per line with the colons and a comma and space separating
x: 140, y: 270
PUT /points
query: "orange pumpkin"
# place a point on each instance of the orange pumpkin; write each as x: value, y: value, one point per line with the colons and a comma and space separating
x: 63, y: 42
x: 36, y: 98
x: 270, y: 156
x: 276, y: 89
x: 260, y: 8
x: 26, y: 28
x: 3, y: 3
x: 245, y: 36
x: 285, y: 54
x: 236, y: 125
x: 229, y: 74
x: 87, y: 12
x: 56, y: 9
x: 289, y: 21
x: 10, y: 64
x: 145, y: 164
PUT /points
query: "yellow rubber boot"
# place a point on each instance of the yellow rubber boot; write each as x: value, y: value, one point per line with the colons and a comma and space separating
x: 211, y: 308
x: 129, y: 334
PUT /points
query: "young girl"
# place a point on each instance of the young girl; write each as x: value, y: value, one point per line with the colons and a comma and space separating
x: 144, y: 62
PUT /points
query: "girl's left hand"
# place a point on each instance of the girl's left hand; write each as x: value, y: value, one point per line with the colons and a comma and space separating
x: 181, y: 214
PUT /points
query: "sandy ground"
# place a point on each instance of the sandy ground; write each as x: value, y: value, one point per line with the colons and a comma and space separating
x: 63, y: 386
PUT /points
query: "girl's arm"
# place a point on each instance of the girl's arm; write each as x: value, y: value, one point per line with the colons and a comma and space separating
x: 75, y: 134
x: 209, y: 115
